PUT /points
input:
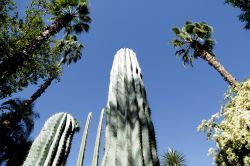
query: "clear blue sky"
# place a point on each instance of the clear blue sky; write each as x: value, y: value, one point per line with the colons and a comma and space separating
x: 179, y: 97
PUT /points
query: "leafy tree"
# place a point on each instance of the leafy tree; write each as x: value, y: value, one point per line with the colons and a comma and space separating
x: 28, y: 52
x: 244, y: 6
x: 230, y: 128
x: 194, y: 41
x: 64, y: 46
x: 173, y: 158
x: 15, y: 129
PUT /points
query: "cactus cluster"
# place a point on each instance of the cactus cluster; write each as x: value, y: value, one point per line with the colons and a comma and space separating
x: 52, y: 145
x: 129, y: 134
x: 129, y: 137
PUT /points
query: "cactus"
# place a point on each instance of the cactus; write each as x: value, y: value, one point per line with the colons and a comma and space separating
x: 52, y: 145
x: 97, y: 141
x: 129, y: 136
x: 84, y: 140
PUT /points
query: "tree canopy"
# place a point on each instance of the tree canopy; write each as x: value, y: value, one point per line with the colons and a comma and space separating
x: 30, y: 51
x: 230, y: 127
x: 244, y: 6
x: 15, y: 130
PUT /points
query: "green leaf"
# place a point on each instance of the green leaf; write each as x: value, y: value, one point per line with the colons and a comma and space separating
x: 209, y: 43
x: 74, y: 2
x: 180, y: 52
x: 189, y: 28
x: 60, y: 2
x: 188, y: 22
x: 177, y: 43
x: 185, y: 58
x: 185, y: 37
x: 176, y: 30
x: 191, y: 60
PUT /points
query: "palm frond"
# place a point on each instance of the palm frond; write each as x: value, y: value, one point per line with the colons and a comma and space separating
x: 173, y: 158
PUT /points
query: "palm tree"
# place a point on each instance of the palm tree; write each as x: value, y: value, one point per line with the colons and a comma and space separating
x: 193, y: 41
x: 72, y: 15
x: 15, y: 130
x: 66, y: 46
x: 173, y: 158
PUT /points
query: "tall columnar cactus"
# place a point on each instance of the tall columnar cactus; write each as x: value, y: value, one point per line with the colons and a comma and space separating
x: 130, y: 137
x: 97, y: 141
x: 84, y: 140
x: 52, y: 145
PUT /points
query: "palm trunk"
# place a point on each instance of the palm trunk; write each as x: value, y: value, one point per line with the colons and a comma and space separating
x: 39, y: 91
x: 9, y: 122
x: 210, y: 58
x: 10, y: 66
x: 29, y: 101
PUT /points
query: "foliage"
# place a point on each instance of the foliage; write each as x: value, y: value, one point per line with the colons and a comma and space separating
x: 190, y: 35
x: 18, y: 34
x: 230, y: 128
x: 173, y: 158
x: 15, y: 129
x: 244, y: 6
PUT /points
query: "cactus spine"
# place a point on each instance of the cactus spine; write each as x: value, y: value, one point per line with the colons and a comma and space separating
x: 52, y: 145
x: 97, y: 141
x: 84, y: 140
x: 129, y: 137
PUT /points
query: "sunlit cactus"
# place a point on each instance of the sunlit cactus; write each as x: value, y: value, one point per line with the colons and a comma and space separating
x: 84, y: 140
x: 52, y: 145
x: 130, y: 137
x: 97, y: 141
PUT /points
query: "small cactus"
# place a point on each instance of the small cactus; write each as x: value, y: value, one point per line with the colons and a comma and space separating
x: 84, y: 140
x: 52, y: 145
x: 97, y: 141
x: 130, y: 137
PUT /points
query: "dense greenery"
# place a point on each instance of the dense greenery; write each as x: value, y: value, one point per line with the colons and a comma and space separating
x: 194, y: 41
x: 32, y: 51
x: 190, y: 35
x: 28, y: 45
x: 230, y: 128
x: 15, y: 133
x: 173, y: 158
x: 244, y: 6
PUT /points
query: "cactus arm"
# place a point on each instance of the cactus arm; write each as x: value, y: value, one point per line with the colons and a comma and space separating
x: 97, y: 142
x: 46, y: 146
x: 64, y: 143
x: 56, y: 140
x: 84, y: 140
x: 37, y: 153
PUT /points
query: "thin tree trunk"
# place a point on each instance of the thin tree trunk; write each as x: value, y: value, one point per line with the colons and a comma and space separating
x: 39, y: 91
x: 10, y: 66
x: 26, y: 103
x: 9, y: 122
x: 210, y: 58
x: 37, y: 94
